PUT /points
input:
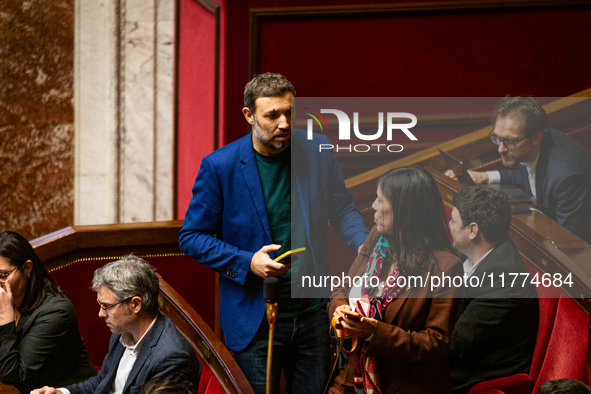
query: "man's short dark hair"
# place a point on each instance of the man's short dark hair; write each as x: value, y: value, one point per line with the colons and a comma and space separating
x: 564, y: 386
x: 265, y: 85
x: 525, y: 108
x: 486, y: 207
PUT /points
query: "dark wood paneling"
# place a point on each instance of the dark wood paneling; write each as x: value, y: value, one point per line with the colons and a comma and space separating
x: 260, y: 15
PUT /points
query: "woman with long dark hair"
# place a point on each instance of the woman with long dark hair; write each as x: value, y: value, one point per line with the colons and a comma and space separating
x: 406, y: 324
x: 40, y: 343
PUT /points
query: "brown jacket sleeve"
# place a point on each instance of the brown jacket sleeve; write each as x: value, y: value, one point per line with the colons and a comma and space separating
x: 341, y: 295
x: 422, y: 328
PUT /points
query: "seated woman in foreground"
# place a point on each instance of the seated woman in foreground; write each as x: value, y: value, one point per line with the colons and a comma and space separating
x: 40, y: 342
x: 404, y: 332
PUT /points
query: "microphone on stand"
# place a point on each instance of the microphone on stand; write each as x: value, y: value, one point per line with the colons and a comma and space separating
x: 271, y: 294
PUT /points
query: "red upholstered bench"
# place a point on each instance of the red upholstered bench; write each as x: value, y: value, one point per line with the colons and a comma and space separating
x: 561, y: 346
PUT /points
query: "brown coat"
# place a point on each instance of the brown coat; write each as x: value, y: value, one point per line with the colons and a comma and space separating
x: 410, y: 345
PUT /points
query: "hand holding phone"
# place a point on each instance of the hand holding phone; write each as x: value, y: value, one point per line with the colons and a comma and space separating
x: 352, y: 315
x: 289, y: 256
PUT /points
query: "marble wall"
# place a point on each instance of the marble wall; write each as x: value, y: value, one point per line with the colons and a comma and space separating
x: 86, y: 113
x: 36, y: 116
x: 124, y: 111
x: 146, y: 149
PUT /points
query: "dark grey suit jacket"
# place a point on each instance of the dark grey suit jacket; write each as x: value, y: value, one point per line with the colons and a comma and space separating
x: 45, y: 348
x: 496, y: 331
x: 563, y: 182
x: 166, y: 354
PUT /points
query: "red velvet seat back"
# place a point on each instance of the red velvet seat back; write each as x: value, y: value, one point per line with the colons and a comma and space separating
x: 548, y: 308
x: 566, y: 356
x: 548, y: 305
x: 208, y: 384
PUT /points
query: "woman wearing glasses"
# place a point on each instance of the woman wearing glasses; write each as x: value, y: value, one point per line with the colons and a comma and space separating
x: 40, y: 343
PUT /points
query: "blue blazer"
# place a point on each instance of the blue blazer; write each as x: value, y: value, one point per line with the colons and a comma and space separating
x: 563, y: 182
x: 166, y: 354
x: 227, y: 222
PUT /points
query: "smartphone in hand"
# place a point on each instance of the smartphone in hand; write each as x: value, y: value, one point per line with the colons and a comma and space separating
x: 352, y: 315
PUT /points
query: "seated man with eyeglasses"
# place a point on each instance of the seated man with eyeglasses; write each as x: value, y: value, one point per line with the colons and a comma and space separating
x: 145, y: 344
x: 551, y: 166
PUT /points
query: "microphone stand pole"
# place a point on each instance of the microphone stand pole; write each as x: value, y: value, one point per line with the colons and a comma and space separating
x: 271, y: 294
x: 271, y: 317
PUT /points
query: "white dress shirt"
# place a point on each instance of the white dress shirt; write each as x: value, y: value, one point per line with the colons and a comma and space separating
x: 127, y: 360
x: 495, y: 176
x: 469, y: 268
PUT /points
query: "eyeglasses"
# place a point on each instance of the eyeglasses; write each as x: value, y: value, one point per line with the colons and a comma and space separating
x: 508, y: 143
x: 5, y: 275
x: 107, y: 306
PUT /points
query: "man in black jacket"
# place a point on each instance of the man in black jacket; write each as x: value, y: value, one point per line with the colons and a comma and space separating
x: 496, y: 331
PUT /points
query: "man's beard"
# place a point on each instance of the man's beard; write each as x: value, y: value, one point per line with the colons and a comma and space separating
x: 512, y: 161
x: 265, y: 139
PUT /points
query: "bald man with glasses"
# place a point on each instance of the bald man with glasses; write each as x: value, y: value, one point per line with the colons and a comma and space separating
x: 145, y: 344
x: 551, y: 166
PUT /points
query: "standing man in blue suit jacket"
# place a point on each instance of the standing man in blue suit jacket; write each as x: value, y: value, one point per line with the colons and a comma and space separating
x: 145, y: 344
x: 551, y: 166
x: 241, y: 217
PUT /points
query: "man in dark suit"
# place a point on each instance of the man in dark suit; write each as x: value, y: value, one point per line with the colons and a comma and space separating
x: 145, y: 344
x: 244, y: 213
x: 496, y: 331
x: 551, y: 166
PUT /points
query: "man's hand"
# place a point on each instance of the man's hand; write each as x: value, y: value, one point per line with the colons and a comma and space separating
x: 450, y: 173
x: 46, y: 390
x: 479, y: 178
x: 263, y: 266
x: 6, y: 304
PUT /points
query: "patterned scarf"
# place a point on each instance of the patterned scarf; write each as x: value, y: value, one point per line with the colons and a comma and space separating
x: 366, y: 377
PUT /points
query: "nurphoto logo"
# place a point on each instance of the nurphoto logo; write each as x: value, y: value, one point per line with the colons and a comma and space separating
x: 392, y: 123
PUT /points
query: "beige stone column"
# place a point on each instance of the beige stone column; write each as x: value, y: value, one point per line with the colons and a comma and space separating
x: 123, y: 110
